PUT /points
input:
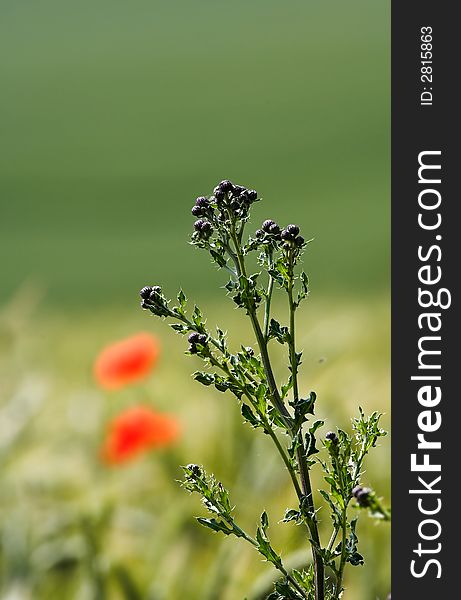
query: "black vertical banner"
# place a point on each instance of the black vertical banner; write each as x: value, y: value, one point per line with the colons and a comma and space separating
x: 426, y: 357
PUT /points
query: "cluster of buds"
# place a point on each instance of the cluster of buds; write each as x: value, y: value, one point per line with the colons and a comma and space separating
x: 288, y: 238
x: 362, y: 495
x: 152, y: 299
x: 195, y: 339
x: 291, y: 238
x: 235, y: 198
x: 227, y: 199
x: 202, y: 207
x: 269, y: 231
x: 203, y: 229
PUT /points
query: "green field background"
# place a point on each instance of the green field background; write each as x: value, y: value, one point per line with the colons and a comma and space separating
x: 114, y: 116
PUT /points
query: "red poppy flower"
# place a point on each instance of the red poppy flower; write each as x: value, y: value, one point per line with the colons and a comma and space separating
x: 126, y: 361
x: 138, y: 430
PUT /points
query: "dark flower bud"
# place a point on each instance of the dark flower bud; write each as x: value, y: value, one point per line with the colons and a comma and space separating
x: 238, y: 190
x: 198, y: 224
x: 363, y: 498
x: 274, y: 229
x: 267, y: 225
x: 156, y: 290
x: 285, y: 235
x: 202, y: 202
x: 202, y: 339
x: 259, y: 234
x: 357, y: 490
x: 286, y: 246
x: 197, y: 211
x: 192, y: 349
x: 331, y: 435
x: 249, y: 350
x: 145, y: 292
x: 299, y: 241
x: 293, y: 230
x: 193, y: 338
x: 195, y: 469
x: 218, y: 193
x: 206, y: 230
x: 362, y: 495
x: 252, y: 195
x: 226, y: 186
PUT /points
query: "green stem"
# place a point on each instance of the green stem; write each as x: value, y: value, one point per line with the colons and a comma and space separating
x: 339, y: 579
x: 286, y: 460
x: 333, y: 538
x: 319, y: 570
x: 270, y: 289
x: 346, y: 496
x: 292, y: 343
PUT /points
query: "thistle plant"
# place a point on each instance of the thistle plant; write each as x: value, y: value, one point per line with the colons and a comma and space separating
x: 280, y: 410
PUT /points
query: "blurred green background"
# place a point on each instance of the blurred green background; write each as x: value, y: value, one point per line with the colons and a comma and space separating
x: 114, y: 116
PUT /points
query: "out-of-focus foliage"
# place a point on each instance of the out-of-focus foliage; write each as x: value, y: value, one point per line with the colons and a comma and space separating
x: 114, y: 115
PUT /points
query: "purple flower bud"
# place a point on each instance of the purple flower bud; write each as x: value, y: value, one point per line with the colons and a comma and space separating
x: 357, y: 490
x: 274, y: 229
x: 331, y: 435
x: 299, y: 241
x: 218, y: 193
x: 198, y: 224
x: 363, y: 497
x: 252, y: 195
x: 267, y: 225
x: 259, y: 233
x: 226, y: 186
x: 202, y: 202
x: 197, y: 211
x: 293, y: 230
x: 206, y: 230
x: 145, y: 292
x: 238, y: 190
x: 193, y: 338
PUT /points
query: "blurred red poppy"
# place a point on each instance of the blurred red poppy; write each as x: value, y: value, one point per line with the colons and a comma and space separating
x: 138, y: 430
x: 126, y: 361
